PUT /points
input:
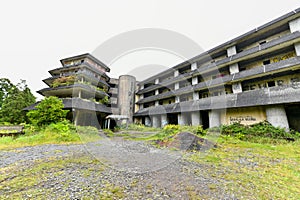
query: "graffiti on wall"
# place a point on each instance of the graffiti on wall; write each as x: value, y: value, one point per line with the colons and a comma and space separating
x: 242, y: 119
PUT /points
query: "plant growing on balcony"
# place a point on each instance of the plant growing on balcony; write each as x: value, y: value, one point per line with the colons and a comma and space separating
x: 63, y: 81
x: 104, y: 100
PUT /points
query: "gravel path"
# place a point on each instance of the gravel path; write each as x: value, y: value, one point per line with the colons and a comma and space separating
x: 133, y: 168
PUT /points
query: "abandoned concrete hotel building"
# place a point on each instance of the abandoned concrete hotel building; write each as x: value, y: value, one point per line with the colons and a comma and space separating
x: 251, y: 78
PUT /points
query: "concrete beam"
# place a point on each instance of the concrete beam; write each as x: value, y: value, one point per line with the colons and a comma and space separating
x: 214, y: 118
x: 276, y: 115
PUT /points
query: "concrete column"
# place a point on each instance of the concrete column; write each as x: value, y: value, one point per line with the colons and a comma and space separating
x: 156, y: 92
x: 147, y: 121
x: 177, y: 99
x: 141, y: 87
x: 214, y: 118
x: 294, y: 25
x: 234, y: 68
x: 196, y: 120
x: 237, y: 88
x: 79, y: 94
x: 195, y: 96
x: 141, y: 106
x: 183, y: 119
x: 176, y: 86
x: 164, y: 120
x: 276, y: 115
x: 231, y: 51
x: 193, y: 66
x: 195, y: 80
x: 176, y: 73
x: 141, y: 96
x: 156, y: 103
x: 297, y: 49
x: 76, y: 117
x: 155, y: 121
x: 156, y: 81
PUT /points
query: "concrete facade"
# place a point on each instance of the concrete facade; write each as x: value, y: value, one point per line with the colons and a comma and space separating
x: 253, y: 77
x: 276, y: 115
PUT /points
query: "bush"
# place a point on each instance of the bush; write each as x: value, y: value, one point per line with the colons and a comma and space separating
x: 48, y: 111
x: 262, y: 130
x: 171, y: 129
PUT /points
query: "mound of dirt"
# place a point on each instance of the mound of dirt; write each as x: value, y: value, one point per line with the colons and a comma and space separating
x: 188, y: 141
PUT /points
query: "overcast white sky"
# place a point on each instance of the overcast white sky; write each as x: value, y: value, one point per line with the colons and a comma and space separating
x: 36, y: 34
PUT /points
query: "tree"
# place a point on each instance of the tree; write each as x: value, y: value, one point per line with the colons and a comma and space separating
x: 50, y: 110
x: 14, y: 99
x: 5, y: 87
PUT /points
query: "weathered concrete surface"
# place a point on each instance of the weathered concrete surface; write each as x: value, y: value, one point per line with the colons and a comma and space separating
x: 214, y: 118
x: 276, y: 115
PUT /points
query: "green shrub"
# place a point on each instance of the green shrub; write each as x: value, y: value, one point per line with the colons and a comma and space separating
x: 171, y: 129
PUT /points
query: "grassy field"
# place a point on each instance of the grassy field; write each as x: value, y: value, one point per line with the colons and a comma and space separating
x: 253, y: 170
x: 53, y: 134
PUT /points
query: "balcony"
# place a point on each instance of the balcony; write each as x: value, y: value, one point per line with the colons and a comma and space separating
x: 281, y: 42
x: 268, y: 96
x: 260, y: 71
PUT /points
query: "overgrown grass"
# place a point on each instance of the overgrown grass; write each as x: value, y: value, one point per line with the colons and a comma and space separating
x: 28, y: 183
x: 60, y: 133
x: 254, y: 170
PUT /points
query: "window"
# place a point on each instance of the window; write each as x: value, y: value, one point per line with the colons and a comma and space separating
x: 266, y: 62
x: 271, y: 84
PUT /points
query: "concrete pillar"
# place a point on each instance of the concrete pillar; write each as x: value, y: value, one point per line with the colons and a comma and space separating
x: 231, y: 51
x: 156, y: 92
x: 141, y: 96
x: 141, y: 87
x: 156, y: 81
x: 79, y: 94
x: 276, y: 115
x: 297, y: 49
x: 176, y: 73
x: 147, y: 121
x: 196, y: 119
x: 195, y: 96
x: 237, y: 88
x: 294, y: 25
x: 195, y: 80
x: 214, y: 118
x: 164, y: 120
x: 177, y: 99
x: 156, y: 103
x: 193, y: 66
x: 176, y: 86
x: 234, y: 68
x: 155, y: 121
x: 183, y: 119
x: 141, y: 106
x: 76, y: 117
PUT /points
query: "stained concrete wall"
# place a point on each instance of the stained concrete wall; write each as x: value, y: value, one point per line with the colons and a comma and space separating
x: 246, y: 116
x: 276, y: 115
x: 214, y: 118
x: 126, y: 96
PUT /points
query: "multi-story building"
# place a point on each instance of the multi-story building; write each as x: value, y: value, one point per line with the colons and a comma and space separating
x: 82, y: 84
x: 249, y: 79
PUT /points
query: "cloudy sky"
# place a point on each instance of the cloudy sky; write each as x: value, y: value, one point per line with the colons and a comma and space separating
x: 35, y: 35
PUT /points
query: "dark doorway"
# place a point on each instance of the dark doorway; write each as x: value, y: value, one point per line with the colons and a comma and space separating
x: 205, y: 119
x: 293, y: 115
x: 172, y: 118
